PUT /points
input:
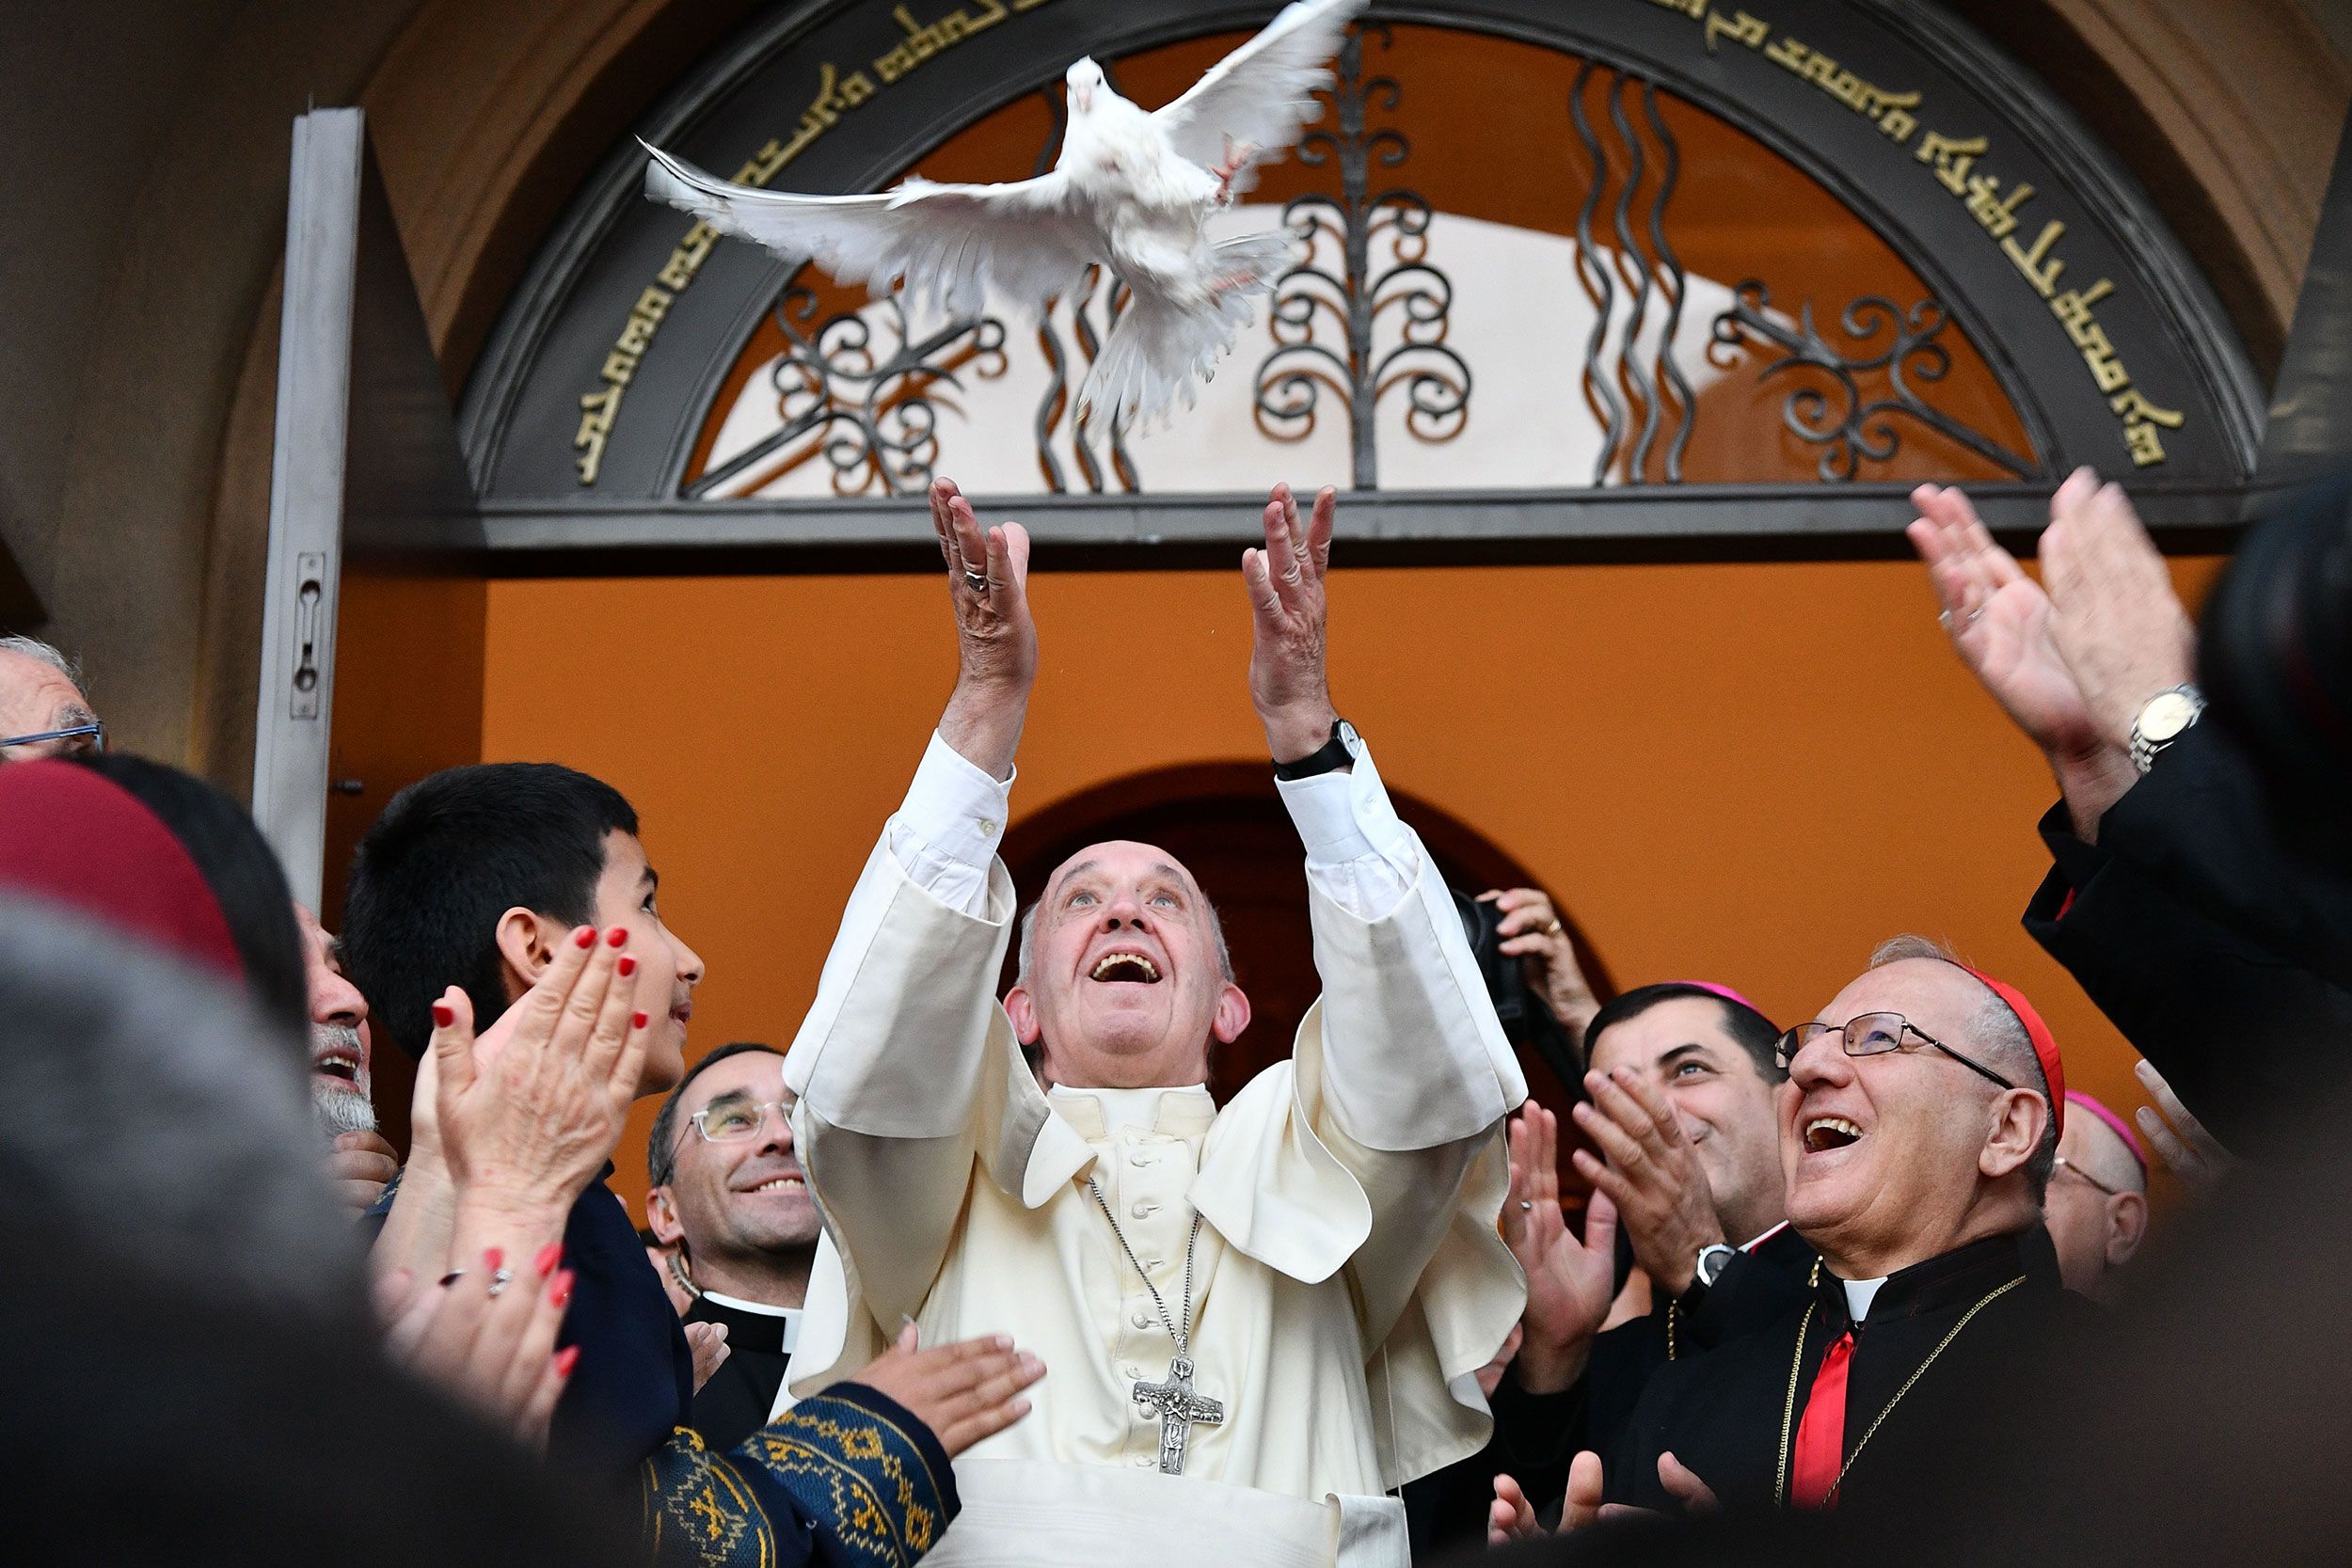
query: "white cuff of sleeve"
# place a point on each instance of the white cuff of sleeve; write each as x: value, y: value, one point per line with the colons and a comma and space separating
x: 1359, y: 851
x: 947, y: 831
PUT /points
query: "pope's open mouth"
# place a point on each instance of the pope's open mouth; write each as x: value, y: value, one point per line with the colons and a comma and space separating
x: 336, y: 1065
x: 1128, y: 969
x: 1823, y: 1133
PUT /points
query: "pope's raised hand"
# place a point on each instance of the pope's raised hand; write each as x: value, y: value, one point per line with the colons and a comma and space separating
x: 1570, y: 1280
x: 1287, y: 679
x: 2113, y: 613
x: 988, y: 580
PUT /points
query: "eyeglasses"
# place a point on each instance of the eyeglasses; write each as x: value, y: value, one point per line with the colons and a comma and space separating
x: 90, y: 738
x: 728, y: 1121
x: 2064, y: 1163
x: 1872, y: 1035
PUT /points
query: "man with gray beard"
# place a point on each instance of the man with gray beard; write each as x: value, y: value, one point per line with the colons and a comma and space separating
x: 360, y: 1161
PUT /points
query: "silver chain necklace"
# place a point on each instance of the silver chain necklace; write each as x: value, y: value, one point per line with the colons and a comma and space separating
x: 1175, y: 1403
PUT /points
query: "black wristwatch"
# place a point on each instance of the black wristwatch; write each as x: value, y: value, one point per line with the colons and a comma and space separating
x: 1333, y: 756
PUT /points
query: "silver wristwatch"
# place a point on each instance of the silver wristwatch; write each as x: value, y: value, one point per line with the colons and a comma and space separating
x: 1713, y: 1261
x: 2162, y: 720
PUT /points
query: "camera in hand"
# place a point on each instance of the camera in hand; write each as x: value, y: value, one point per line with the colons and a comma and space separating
x: 1527, y: 1019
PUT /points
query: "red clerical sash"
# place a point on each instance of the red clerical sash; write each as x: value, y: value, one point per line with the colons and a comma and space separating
x: 1821, y: 1437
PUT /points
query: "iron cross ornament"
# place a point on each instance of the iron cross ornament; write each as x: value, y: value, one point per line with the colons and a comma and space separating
x: 1179, y: 1409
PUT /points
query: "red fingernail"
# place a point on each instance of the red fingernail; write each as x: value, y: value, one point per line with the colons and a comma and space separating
x: 566, y: 1359
x: 560, y: 1294
x: 627, y: 966
x: 617, y: 937
x: 585, y: 937
x: 492, y: 1258
x: 443, y: 1015
x: 640, y: 1021
x: 548, y: 1257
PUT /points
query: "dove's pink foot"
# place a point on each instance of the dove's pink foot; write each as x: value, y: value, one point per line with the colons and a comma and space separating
x: 1236, y: 157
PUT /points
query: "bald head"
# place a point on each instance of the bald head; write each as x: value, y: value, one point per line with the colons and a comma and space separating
x: 39, y: 692
x: 1125, y: 979
x: 2097, y: 1205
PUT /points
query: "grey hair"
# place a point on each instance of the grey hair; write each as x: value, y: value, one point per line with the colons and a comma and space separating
x: 1028, y: 941
x: 210, y: 1169
x: 1995, y: 1026
x: 33, y: 648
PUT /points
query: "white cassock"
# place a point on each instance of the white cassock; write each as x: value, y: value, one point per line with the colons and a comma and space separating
x: 1348, y: 1279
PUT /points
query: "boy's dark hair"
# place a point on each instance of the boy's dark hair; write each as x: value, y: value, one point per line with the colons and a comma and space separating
x: 242, y: 872
x: 661, y: 1143
x: 1752, y: 1029
x: 450, y: 855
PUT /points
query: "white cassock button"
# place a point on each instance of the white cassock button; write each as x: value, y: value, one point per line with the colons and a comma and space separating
x: 1151, y: 1262
x: 1141, y: 1160
x: 1132, y: 1370
x: 1143, y: 1462
x: 988, y: 824
x: 1141, y: 1320
x: 1142, y: 1209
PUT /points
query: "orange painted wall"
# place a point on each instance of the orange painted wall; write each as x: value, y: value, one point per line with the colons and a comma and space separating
x: 1746, y: 773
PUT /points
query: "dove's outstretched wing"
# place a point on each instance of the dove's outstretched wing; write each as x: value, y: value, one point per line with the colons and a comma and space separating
x: 1260, y: 94
x: 1157, y: 350
x: 1030, y: 240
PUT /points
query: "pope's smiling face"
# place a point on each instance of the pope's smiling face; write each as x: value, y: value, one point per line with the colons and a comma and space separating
x: 1125, y: 984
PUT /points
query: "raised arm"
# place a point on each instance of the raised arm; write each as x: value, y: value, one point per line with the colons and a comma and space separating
x: 892, y: 1064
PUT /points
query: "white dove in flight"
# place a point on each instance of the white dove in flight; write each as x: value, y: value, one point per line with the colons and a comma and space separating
x: 1133, y: 190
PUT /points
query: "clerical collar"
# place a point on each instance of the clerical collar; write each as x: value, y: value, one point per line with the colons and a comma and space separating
x: 1955, y: 1277
x: 1102, y: 1113
x: 750, y: 1324
x: 763, y: 1309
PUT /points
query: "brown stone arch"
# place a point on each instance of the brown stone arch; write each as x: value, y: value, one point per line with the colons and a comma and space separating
x: 1225, y: 823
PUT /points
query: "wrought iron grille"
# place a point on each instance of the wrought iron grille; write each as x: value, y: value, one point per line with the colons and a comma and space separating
x: 1335, y: 285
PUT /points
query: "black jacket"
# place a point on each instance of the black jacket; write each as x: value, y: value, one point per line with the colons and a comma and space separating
x: 1723, y: 1414
x: 736, y: 1401
x: 1537, y: 1436
x: 2222, y: 956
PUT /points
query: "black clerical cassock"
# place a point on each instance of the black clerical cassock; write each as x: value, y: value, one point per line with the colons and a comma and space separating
x: 736, y: 1401
x: 1537, y: 1436
x: 1820, y: 1410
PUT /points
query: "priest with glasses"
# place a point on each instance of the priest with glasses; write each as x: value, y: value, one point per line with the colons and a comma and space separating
x: 1919, y: 1128
x: 1258, y: 1320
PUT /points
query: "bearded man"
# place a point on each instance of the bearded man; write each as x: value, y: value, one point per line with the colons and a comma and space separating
x: 1260, y: 1318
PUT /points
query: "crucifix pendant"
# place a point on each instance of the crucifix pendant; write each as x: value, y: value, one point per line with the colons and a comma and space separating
x: 1178, y: 1408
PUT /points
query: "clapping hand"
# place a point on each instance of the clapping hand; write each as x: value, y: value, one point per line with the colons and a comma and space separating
x: 2193, y: 1155
x: 2114, y: 616
x: 2002, y: 624
x: 525, y: 1130
x: 360, y: 1165
x: 988, y: 580
x: 485, y: 1335
x: 1570, y: 1281
x: 963, y: 1391
x: 1510, y: 1517
x: 1288, y: 682
x: 1652, y: 1175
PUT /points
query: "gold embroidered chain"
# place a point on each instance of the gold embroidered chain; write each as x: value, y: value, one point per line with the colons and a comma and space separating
x: 1788, y: 1409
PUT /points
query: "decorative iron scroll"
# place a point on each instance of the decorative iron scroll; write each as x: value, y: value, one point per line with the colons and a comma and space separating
x: 1854, y: 427
x: 1620, y: 394
x: 875, y: 403
x: 1336, y: 281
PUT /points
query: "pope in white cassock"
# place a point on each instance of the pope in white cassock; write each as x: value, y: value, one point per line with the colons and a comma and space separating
x: 1258, y: 1321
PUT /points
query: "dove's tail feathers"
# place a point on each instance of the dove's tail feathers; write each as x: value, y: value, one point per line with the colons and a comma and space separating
x: 1159, y: 351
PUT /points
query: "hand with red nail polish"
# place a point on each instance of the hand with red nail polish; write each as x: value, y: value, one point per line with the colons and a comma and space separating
x: 494, y: 1353
x: 526, y: 1114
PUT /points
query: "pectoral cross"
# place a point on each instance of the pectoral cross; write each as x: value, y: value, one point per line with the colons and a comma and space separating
x: 1178, y: 1408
